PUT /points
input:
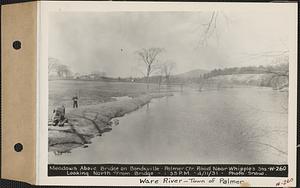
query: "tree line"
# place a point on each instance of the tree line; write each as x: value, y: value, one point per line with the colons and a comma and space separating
x: 279, y: 69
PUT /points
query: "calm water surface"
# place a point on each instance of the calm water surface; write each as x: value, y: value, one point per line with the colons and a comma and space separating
x: 238, y: 125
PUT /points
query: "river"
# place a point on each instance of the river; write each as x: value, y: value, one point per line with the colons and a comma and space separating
x: 236, y: 125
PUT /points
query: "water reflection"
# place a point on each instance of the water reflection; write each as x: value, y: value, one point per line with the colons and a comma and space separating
x: 222, y: 126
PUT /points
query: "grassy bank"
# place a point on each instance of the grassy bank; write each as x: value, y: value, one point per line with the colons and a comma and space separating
x: 95, y: 92
x: 89, y: 121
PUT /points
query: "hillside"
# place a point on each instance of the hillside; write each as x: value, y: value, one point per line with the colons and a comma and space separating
x: 267, y: 80
x: 191, y: 74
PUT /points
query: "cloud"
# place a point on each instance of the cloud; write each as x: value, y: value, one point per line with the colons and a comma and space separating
x: 107, y: 41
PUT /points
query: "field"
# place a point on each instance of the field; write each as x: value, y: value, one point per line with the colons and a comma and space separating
x: 95, y: 92
x: 98, y: 104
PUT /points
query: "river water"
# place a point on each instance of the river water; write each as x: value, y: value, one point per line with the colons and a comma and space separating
x: 236, y: 125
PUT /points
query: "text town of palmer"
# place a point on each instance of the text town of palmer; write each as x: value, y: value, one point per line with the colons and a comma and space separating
x: 225, y: 181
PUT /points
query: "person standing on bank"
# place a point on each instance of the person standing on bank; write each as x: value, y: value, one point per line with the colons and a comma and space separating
x: 75, y: 101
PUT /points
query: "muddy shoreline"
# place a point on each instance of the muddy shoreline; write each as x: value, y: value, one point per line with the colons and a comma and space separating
x: 89, y: 121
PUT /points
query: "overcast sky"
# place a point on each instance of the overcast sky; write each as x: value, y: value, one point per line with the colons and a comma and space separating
x: 98, y: 41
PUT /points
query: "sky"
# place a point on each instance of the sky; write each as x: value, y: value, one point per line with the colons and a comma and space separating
x: 108, y: 41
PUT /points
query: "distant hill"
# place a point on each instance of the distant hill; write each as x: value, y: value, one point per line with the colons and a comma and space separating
x: 192, y: 74
x: 265, y: 80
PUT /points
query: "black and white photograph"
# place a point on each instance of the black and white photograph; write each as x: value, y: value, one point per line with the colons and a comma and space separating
x: 159, y: 87
x: 169, y: 87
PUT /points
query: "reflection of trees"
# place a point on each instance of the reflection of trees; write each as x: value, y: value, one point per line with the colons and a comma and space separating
x: 263, y: 136
x: 257, y: 135
x: 269, y: 145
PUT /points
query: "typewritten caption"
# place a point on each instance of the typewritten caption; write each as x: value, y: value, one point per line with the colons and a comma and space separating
x: 169, y: 170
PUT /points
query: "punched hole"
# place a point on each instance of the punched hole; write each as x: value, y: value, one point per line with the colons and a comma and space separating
x: 17, y: 45
x: 18, y: 147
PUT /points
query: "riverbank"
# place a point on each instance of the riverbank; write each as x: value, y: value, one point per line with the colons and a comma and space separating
x: 231, y: 125
x: 89, y: 121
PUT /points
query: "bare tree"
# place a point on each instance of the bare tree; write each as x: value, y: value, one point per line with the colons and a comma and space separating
x: 160, y: 76
x: 211, y: 27
x: 63, y: 71
x: 149, y: 57
x: 167, y: 68
x: 201, y: 82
